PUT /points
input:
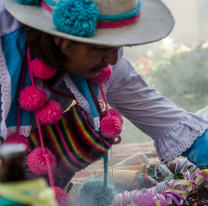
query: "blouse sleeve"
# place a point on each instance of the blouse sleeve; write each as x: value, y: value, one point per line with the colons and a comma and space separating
x: 7, y: 22
x: 172, y: 129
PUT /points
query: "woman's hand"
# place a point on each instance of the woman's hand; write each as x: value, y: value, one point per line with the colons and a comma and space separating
x: 198, y: 152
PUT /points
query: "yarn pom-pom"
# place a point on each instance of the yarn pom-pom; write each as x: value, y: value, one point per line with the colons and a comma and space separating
x: 110, y: 127
x: 76, y: 17
x: 61, y: 197
x: 50, y: 113
x: 29, y: 2
x: 92, y: 193
x: 104, y: 75
x: 113, y: 112
x: 32, y: 98
x: 17, y: 139
x: 41, y: 70
x: 37, y: 163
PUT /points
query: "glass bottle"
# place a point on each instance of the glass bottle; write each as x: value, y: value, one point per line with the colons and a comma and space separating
x: 12, y: 159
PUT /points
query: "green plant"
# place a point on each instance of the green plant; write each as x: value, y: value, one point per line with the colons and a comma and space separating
x: 180, y: 74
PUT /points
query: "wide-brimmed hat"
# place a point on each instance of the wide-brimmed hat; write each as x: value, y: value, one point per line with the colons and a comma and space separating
x: 102, y: 22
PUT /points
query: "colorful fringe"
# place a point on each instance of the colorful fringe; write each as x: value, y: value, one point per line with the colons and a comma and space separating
x: 80, y: 146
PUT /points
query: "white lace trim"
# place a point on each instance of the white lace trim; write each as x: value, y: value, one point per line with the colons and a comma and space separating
x: 5, y: 82
x: 24, y: 130
x: 184, y: 145
x: 82, y: 101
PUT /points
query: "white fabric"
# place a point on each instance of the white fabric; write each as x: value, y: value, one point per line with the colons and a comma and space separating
x: 180, y: 137
x: 82, y: 101
x: 5, y: 82
x: 23, y: 130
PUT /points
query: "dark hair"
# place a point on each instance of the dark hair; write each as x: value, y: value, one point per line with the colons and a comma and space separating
x: 43, y: 47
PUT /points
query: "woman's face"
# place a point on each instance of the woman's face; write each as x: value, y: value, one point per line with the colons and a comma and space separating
x: 86, y: 60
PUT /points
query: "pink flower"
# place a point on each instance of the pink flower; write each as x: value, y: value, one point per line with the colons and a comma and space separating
x: 147, y: 69
x: 145, y: 61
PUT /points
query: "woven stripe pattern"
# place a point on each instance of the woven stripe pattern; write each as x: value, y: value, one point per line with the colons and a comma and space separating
x: 80, y: 146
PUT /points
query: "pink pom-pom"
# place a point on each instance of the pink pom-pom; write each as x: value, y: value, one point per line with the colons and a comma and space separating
x: 113, y: 112
x: 41, y: 70
x: 110, y: 127
x: 32, y: 98
x: 37, y: 163
x: 61, y: 197
x: 17, y: 139
x: 50, y: 113
x: 104, y: 75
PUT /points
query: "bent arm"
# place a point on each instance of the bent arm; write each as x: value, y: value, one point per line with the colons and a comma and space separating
x: 172, y: 129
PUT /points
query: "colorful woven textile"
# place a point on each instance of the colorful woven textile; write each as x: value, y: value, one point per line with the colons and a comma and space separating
x: 73, y: 141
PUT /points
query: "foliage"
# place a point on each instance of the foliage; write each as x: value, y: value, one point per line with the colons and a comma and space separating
x: 180, y: 73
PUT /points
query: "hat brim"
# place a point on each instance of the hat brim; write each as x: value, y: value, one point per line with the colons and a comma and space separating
x: 155, y: 23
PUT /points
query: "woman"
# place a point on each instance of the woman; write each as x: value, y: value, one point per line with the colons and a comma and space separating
x: 81, y: 41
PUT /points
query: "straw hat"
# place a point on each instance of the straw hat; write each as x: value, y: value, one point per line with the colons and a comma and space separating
x: 133, y: 22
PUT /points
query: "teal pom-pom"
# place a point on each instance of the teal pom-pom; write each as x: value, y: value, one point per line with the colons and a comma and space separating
x: 76, y: 17
x: 92, y: 193
x: 29, y: 2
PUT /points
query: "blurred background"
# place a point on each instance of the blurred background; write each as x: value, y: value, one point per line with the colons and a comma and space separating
x: 177, y: 66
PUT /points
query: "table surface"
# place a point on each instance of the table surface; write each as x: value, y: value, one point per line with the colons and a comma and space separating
x: 120, y: 152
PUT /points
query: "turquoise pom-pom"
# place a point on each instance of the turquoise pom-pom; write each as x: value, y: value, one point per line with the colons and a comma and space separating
x: 92, y: 194
x: 29, y: 2
x: 76, y: 17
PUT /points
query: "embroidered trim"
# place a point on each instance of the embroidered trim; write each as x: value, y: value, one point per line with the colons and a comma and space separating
x: 184, y: 145
x: 24, y: 130
x: 5, y: 82
x: 79, y: 97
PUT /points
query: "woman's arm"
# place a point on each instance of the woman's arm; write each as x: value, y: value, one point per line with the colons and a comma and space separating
x: 172, y: 129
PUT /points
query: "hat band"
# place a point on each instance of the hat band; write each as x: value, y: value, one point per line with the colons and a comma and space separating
x: 46, y: 7
x: 118, y: 17
x: 119, y: 23
x: 126, y: 19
